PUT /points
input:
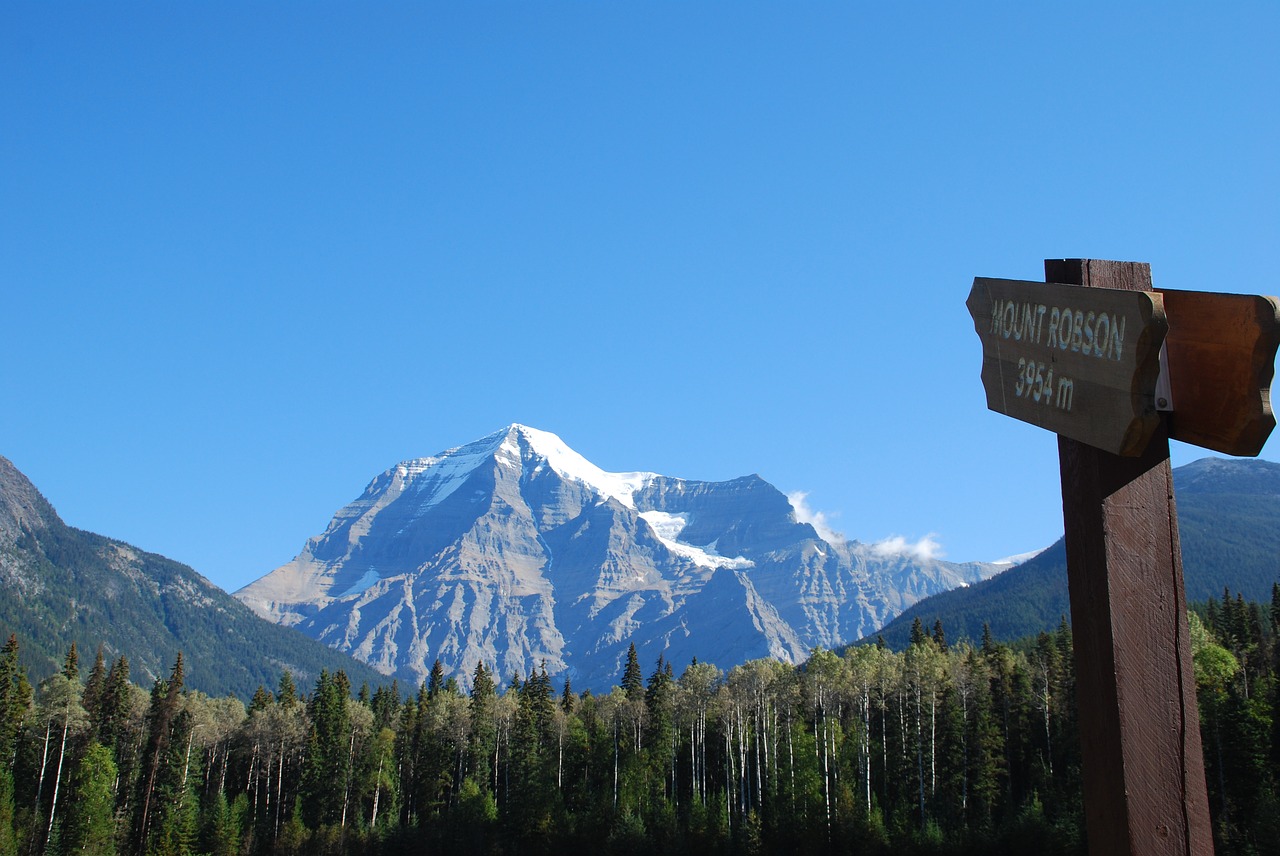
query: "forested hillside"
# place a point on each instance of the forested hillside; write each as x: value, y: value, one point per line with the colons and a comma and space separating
x: 60, y: 585
x: 941, y: 748
x: 1228, y: 520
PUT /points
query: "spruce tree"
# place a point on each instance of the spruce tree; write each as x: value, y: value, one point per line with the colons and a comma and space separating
x: 567, y: 698
x: 286, y: 693
x: 90, y: 821
x: 435, y: 683
x: 327, y: 767
x: 12, y: 708
x: 917, y: 632
x: 483, y: 731
x: 71, y: 665
x: 1275, y: 683
x: 261, y: 700
x: 91, y: 698
x: 632, y: 677
x: 166, y: 700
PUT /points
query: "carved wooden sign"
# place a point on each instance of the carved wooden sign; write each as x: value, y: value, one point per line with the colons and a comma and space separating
x: 1081, y: 362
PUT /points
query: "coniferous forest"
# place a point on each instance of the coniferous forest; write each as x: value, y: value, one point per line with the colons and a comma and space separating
x: 939, y: 748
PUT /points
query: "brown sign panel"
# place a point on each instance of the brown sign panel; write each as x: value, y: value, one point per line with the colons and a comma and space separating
x: 1081, y: 362
x: 1221, y: 355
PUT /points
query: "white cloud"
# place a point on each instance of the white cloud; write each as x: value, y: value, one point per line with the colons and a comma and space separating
x: 817, y: 519
x: 895, y: 545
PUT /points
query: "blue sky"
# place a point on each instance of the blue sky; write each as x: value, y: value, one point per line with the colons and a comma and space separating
x: 251, y: 255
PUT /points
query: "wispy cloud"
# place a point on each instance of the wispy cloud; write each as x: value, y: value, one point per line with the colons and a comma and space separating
x: 895, y: 545
x: 817, y: 519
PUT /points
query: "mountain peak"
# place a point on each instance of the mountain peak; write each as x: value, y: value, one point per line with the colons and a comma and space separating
x: 531, y: 446
x: 514, y: 550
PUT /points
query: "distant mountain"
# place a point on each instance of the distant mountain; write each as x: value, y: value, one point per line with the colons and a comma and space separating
x: 1228, y: 520
x: 516, y: 551
x: 59, y: 585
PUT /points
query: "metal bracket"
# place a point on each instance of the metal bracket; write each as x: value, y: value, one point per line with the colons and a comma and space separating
x: 1164, y: 390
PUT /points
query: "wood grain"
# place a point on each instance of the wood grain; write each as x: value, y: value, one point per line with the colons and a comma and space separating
x: 1221, y: 354
x: 1143, y: 770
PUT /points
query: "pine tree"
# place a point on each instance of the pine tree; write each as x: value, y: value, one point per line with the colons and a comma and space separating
x: 1275, y: 683
x: 435, y: 682
x: 632, y: 677
x: 483, y: 737
x: 71, y: 666
x: 917, y: 632
x: 567, y: 699
x: 91, y: 698
x: 166, y: 700
x: 287, y: 693
x: 261, y: 700
x: 327, y: 766
x: 90, y: 822
x: 113, y: 716
x: 12, y: 707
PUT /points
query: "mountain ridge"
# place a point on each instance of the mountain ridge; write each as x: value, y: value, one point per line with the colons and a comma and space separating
x: 514, y: 550
x: 59, y: 585
x: 1228, y: 512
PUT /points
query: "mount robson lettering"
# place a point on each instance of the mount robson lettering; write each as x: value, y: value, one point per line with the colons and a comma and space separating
x: 1088, y: 333
x: 1080, y: 362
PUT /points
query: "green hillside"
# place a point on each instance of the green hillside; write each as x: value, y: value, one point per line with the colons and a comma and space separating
x: 1228, y: 517
x: 60, y: 585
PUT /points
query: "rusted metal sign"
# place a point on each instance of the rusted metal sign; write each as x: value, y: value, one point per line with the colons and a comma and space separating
x: 1081, y: 362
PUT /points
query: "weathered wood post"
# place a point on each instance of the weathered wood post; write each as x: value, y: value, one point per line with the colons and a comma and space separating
x: 1139, y: 726
x: 1080, y: 355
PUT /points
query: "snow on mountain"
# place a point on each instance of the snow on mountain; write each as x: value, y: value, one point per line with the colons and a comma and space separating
x: 516, y: 551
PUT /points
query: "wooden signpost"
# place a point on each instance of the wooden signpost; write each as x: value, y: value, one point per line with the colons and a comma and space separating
x: 1143, y: 768
x: 1078, y: 361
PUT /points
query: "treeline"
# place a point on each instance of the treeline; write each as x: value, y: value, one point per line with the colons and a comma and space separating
x: 940, y: 748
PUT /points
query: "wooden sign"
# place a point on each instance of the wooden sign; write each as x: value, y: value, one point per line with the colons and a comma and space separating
x: 1221, y: 358
x: 1081, y: 362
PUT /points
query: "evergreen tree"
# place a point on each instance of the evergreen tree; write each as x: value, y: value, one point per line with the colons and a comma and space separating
x: 917, y: 632
x: 90, y: 821
x: 327, y: 766
x: 112, y: 711
x: 261, y: 700
x: 94, y: 687
x: 71, y: 665
x: 1275, y: 683
x: 567, y: 698
x: 286, y: 693
x: 166, y: 701
x: 632, y: 677
x: 12, y: 706
x: 483, y: 738
x: 435, y: 682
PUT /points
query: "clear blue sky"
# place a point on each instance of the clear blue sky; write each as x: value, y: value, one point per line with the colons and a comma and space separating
x: 251, y: 255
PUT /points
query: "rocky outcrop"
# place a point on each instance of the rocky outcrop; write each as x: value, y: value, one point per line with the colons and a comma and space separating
x: 517, y: 552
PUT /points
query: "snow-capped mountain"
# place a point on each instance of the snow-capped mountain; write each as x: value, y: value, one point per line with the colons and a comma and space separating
x: 515, y: 550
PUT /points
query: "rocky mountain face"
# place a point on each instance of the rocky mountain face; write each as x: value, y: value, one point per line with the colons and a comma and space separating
x: 515, y: 551
x: 60, y: 585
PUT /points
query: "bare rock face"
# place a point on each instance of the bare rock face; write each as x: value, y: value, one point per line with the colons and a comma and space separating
x: 517, y: 552
x: 21, y: 505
